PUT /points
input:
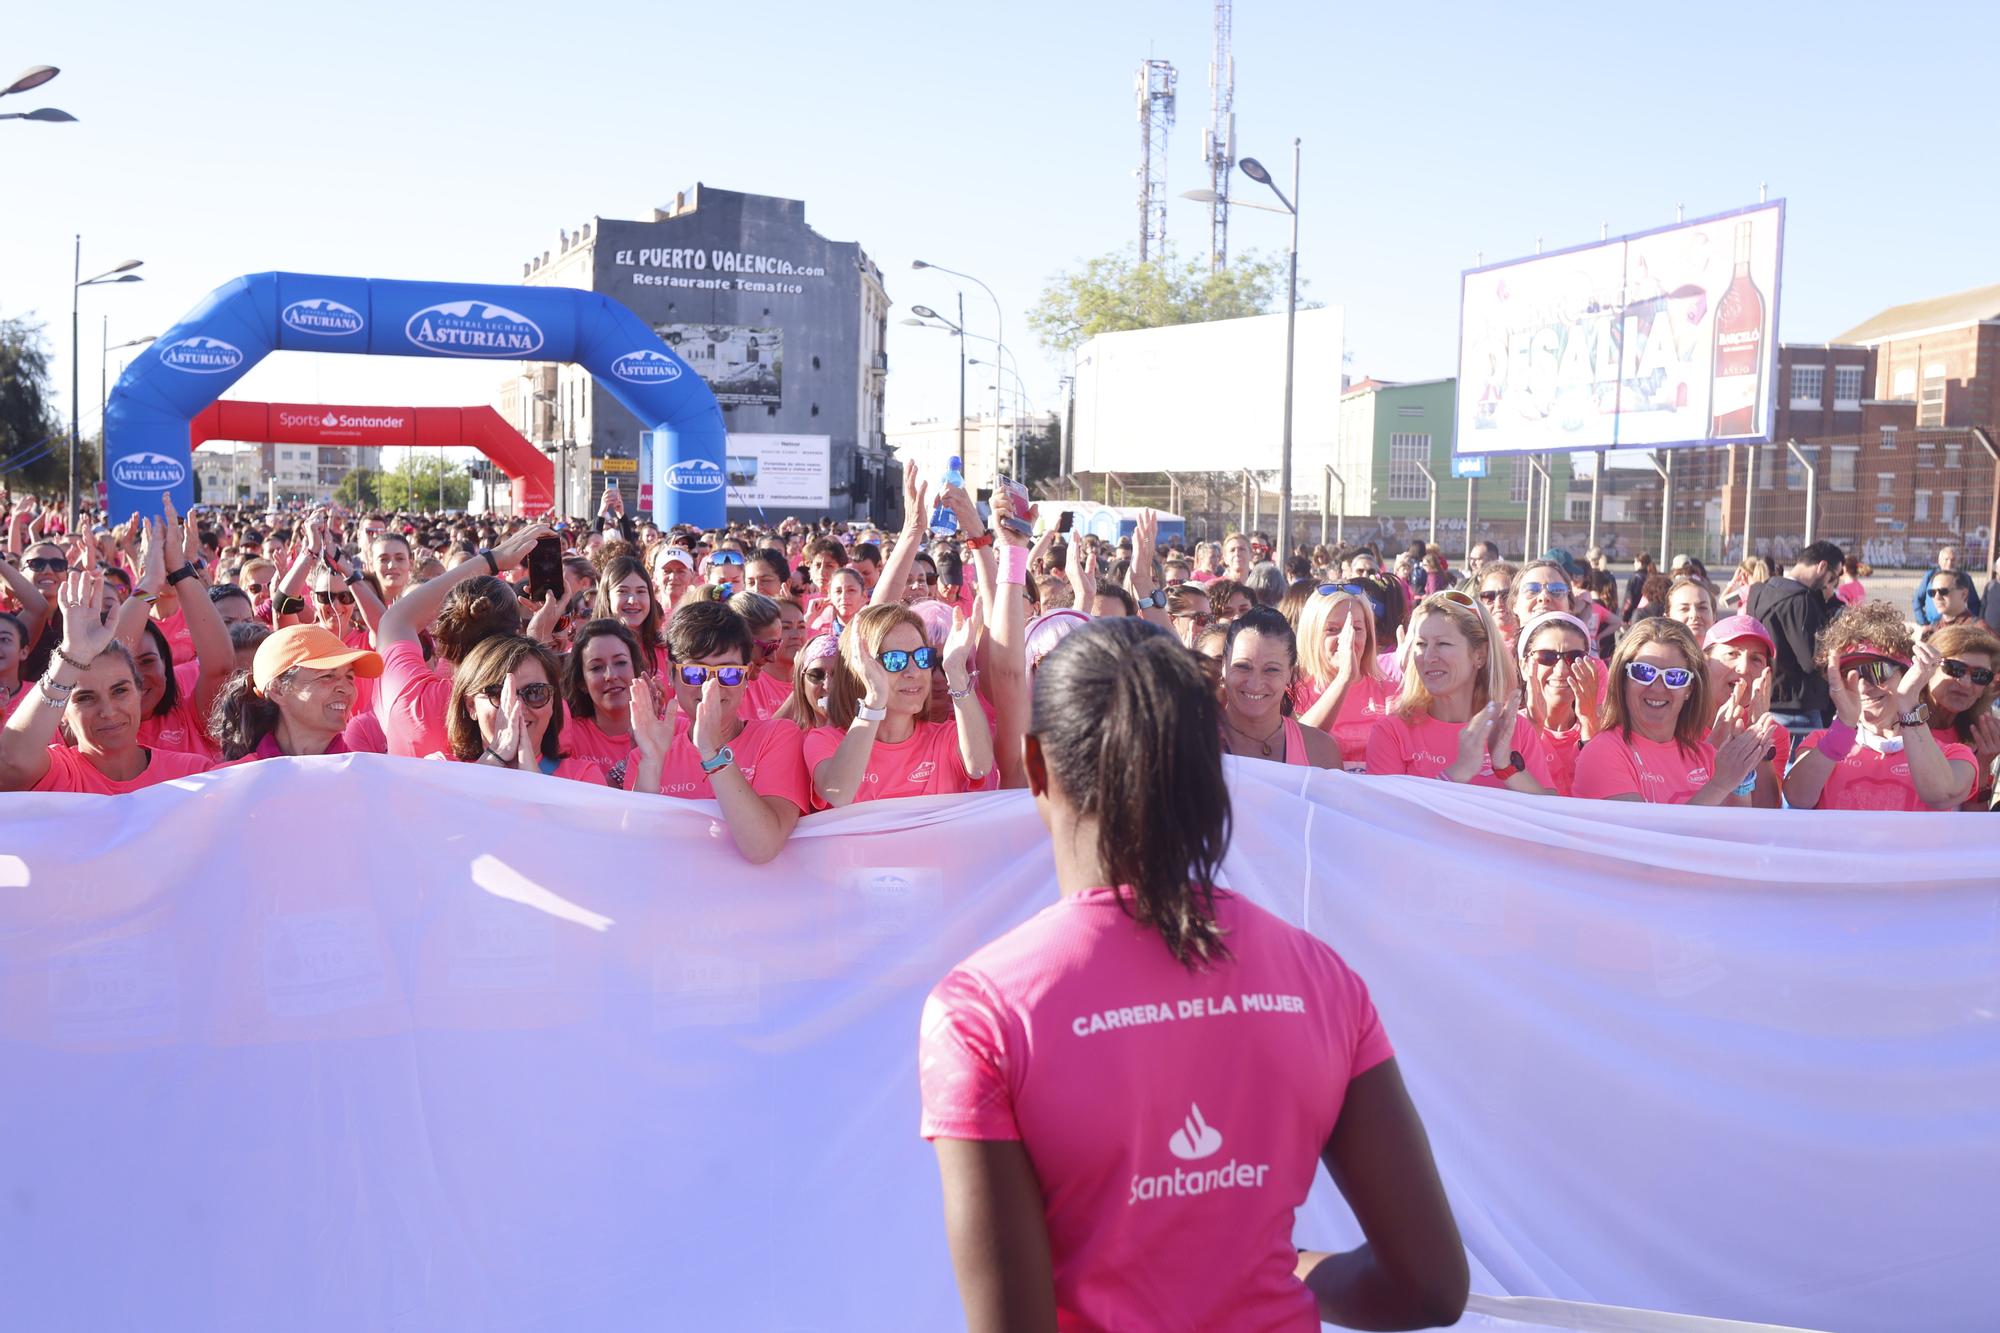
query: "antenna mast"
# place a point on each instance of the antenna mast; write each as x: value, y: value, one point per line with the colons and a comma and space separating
x: 1218, y: 141
x: 1155, y: 86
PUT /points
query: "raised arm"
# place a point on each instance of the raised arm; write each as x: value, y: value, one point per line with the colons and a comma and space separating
x: 1811, y: 768
x: 1006, y: 674
x: 25, y: 739
x: 894, y: 579
x: 418, y: 607
x: 34, y: 606
x: 1145, y: 552
x: 838, y: 777
x: 214, y: 655
x: 758, y: 824
x: 975, y: 738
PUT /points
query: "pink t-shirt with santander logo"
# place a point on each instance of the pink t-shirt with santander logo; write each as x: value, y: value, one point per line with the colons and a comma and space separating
x: 1425, y: 747
x: 927, y: 764
x: 1870, y: 780
x: 1175, y: 1117
x: 1657, y: 772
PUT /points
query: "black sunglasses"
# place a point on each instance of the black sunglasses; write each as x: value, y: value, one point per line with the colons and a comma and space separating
x: 1548, y: 657
x: 325, y: 598
x: 536, y: 695
x: 1957, y: 670
x: 48, y: 564
x: 1944, y: 590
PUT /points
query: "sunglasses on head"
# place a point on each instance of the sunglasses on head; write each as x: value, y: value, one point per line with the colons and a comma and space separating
x: 725, y: 558
x: 1957, y: 670
x: 1645, y: 673
x: 536, y: 695
x: 897, y: 660
x: 1548, y: 657
x: 1464, y: 599
x: 1552, y: 589
x: 48, y: 564
x: 695, y: 674
x: 325, y: 598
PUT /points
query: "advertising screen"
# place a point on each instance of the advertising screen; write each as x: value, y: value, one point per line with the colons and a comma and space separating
x: 1647, y: 341
x: 778, y: 472
x: 743, y: 366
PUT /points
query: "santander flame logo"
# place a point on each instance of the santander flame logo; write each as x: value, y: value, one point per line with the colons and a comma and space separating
x: 1196, y: 1138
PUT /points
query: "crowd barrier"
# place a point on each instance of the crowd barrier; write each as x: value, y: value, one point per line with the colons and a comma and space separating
x: 367, y: 1043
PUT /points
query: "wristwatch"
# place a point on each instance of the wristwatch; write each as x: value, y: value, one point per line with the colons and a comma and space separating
x: 1915, y: 717
x: 492, y: 565
x: 974, y: 543
x: 1514, y: 765
x: 863, y: 713
x: 1156, y: 600
x: 184, y: 572
x: 723, y: 759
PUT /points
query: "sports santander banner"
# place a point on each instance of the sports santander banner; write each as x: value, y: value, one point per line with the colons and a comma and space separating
x: 360, y: 1042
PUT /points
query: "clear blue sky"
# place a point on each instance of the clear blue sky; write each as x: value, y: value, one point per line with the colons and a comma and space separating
x: 421, y: 141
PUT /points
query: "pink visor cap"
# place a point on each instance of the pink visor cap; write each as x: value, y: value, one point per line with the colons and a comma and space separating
x: 1731, y: 628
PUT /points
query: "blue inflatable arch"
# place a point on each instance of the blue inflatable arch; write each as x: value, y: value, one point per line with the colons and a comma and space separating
x: 242, y: 322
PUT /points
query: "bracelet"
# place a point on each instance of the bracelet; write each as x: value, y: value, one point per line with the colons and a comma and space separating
x: 1747, y: 787
x: 1837, y: 741
x: 974, y: 543
x: 186, y: 571
x: 80, y: 666
x: 1014, y: 565
x: 492, y: 565
x: 965, y: 693
x: 54, y: 693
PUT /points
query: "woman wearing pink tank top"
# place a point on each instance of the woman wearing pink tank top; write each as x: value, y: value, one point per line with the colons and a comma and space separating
x: 1260, y: 664
x: 1130, y: 1093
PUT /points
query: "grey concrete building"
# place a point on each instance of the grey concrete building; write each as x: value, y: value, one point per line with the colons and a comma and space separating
x: 786, y: 326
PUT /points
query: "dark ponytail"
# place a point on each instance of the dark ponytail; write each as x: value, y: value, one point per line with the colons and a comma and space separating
x: 241, y: 718
x: 1128, y: 727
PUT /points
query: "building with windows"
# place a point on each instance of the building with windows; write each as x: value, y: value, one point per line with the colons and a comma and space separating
x: 278, y: 473
x: 1395, y: 438
x: 1942, y: 355
x: 788, y: 329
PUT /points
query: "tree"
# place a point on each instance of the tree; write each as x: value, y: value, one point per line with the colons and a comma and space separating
x: 359, y: 489
x: 413, y: 484
x: 34, y: 440
x: 1115, y: 292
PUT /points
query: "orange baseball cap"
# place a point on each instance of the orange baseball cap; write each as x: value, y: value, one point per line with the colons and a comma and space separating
x: 308, y: 646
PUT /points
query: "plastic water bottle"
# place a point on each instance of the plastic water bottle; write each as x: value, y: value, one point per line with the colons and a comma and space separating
x: 943, y: 521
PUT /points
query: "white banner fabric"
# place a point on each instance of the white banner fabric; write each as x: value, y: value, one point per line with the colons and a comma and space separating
x: 373, y: 1043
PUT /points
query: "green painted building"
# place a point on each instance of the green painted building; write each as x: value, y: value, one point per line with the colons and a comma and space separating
x: 1389, y: 434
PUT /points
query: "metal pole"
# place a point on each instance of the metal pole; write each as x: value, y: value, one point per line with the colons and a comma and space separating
x: 1528, y: 518
x: 961, y: 382
x: 75, y: 353
x: 1993, y: 507
x: 1749, y: 494
x: 1596, y: 493
x: 1471, y: 508
x: 1340, y: 517
x: 1431, y: 533
x: 1666, y: 502
x: 104, y: 395
x: 1325, y: 504
x: 1812, y: 488
x: 1291, y: 322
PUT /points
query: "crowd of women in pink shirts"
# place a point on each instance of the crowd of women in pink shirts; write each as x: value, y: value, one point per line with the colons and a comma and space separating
x: 778, y: 673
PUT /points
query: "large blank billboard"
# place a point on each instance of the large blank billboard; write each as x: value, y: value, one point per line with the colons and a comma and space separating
x: 1648, y: 341
x: 1208, y: 397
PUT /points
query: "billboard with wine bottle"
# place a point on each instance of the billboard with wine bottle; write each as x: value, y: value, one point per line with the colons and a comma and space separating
x: 1647, y: 341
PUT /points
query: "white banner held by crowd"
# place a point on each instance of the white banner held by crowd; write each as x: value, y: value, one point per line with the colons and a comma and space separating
x: 360, y: 1042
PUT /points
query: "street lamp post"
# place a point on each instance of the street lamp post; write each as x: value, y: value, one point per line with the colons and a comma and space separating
x: 104, y: 385
x: 1256, y: 172
x: 1000, y: 339
x: 34, y: 76
x: 924, y: 312
x: 123, y: 273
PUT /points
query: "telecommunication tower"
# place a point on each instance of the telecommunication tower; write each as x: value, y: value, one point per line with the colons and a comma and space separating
x: 1218, y: 141
x: 1156, y: 116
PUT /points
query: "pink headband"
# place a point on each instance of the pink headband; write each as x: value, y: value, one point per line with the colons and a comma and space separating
x: 821, y: 647
x: 1860, y: 651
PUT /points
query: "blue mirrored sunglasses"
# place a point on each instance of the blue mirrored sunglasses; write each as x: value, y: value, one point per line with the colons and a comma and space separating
x: 896, y: 660
x: 1677, y: 678
x: 1552, y: 589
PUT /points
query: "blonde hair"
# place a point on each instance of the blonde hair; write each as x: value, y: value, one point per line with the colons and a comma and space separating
x: 863, y: 638
x: 1480, y: 633
x: 1315, y: 662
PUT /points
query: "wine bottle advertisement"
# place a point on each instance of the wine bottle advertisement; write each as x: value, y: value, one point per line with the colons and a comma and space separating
x: 1661, y: 338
